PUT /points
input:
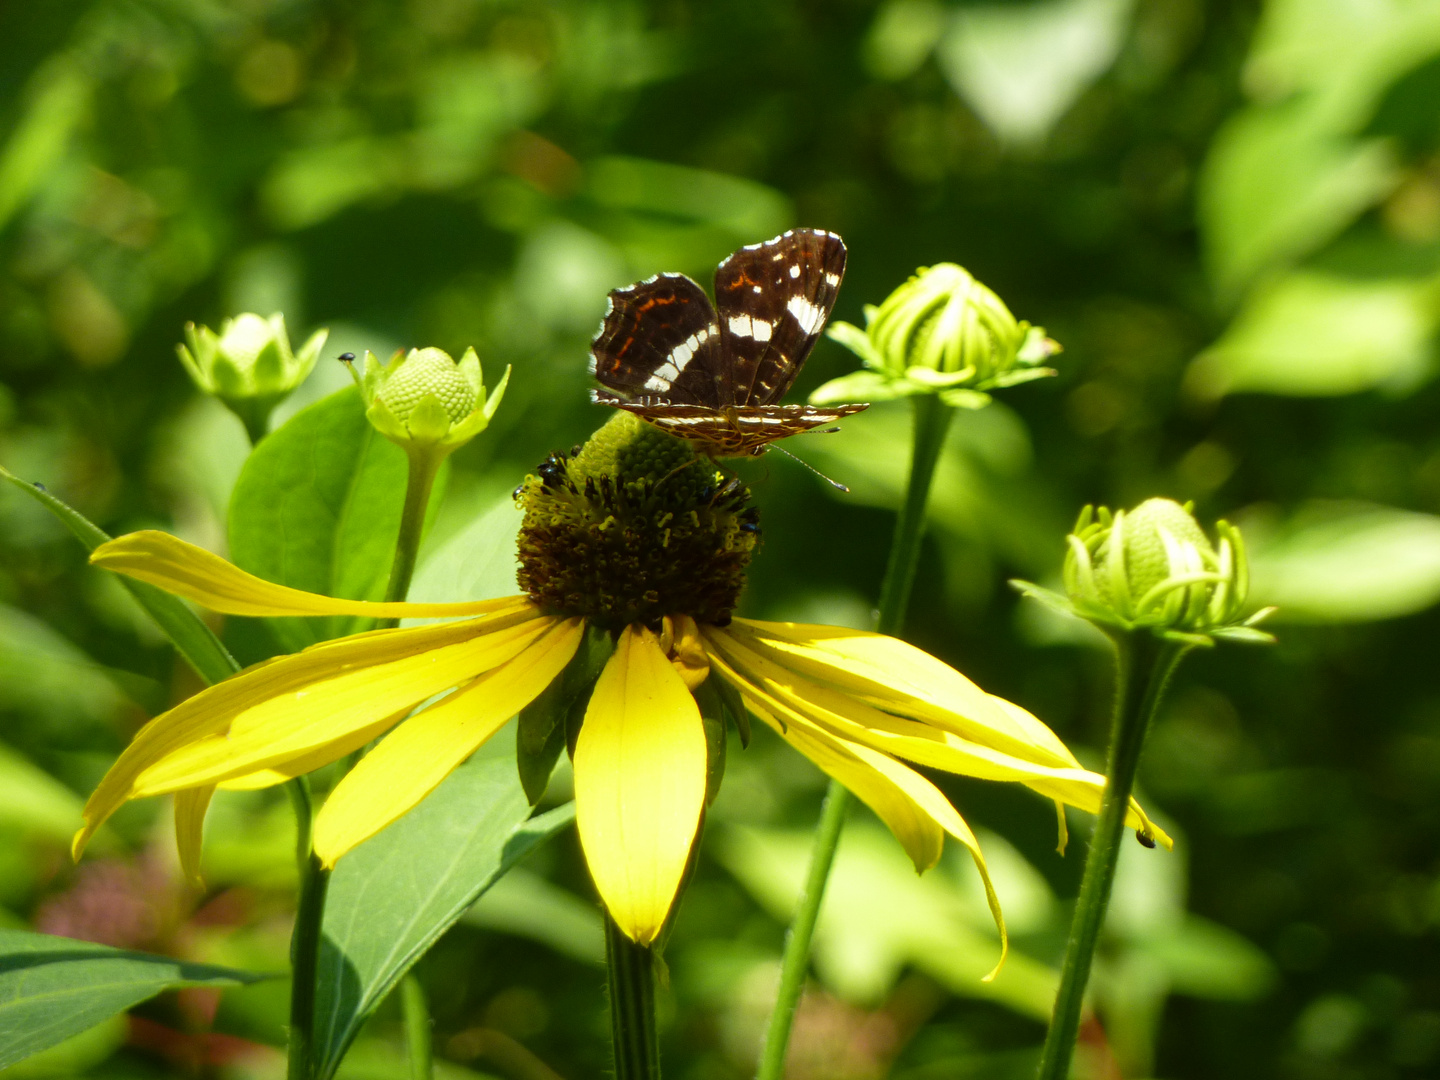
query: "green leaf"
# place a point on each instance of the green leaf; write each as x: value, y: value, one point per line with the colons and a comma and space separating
x: 35, y: 802
x: 196, y: 642
x: 1276, y: 186
x: 1313, y: 335
x: 527, y: 905
x: 1022, y: 66
x: 477, y: 563
x: 52, y: 988
x: 879, y: 917
x: 317, y: 507
x: 392, y: 897
x: 1346, y: 562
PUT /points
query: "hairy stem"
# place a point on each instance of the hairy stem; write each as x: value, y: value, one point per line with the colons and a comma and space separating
x: 1143, y: 666
x: 305, y: 938
x: 418, y: 483
x: 932, y: 420
x: 632, y: 1005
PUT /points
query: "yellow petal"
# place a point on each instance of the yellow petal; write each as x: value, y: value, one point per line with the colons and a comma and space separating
x: 795, y: 700
x: 279, y: 772
x: 897, y: 677
x: 207, y: 579
x: 190, y: 807
x: 913, y: 808
x: 639, y: 783
x: 287, y: 725
x: 413, y: 760
x: 211, y: 711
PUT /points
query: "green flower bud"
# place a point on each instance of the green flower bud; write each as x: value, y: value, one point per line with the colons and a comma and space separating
x: 944, y: 333
x: 249, y: 365
x: 427, y: 403
x: 1154, y: 568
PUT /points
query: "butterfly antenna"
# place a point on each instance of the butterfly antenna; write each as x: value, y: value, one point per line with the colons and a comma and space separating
x: 833, y: 483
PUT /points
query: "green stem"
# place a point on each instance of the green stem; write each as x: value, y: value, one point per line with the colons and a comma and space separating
x: 417, y: 1027
x: 797, y: 939
x: 932, y: 420
x: 419, y: 481
x: 305, y: 938
x: 632, y: 1006
x: 1143, y: 666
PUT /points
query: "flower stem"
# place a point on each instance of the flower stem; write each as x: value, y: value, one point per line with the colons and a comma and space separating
x: 932, y: 420
x: 417, y: 1027
x: 1143, y: 666
x: 305, y: 938
x: 418, y: 483
x: 797, y: 938
x: 632, y: 1005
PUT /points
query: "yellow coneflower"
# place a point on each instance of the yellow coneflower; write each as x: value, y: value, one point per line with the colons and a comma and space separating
x: 631, y: 535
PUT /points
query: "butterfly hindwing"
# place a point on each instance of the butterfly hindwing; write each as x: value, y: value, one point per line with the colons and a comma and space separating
x: 773, y: 301
x: 660, y: 337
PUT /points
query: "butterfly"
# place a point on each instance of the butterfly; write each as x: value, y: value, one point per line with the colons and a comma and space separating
x: 712, y: 374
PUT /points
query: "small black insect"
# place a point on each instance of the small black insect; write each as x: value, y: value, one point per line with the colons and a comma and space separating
x: 347, y: 358
x: 552, y: 471
x: 1146, y: 840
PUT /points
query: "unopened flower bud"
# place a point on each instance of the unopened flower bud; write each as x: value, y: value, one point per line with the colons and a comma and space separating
x: 425, y: 402
x: 249, y: 365
x: 1154, y: 568
x: 944, y: 333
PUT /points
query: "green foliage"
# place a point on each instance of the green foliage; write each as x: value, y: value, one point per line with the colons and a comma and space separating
x: 394, y: 896
x: 1227, y: 212
x: 317, y: 507
x: 53, y: 988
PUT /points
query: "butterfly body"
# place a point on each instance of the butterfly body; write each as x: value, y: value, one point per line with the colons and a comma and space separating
x: 713, y: 374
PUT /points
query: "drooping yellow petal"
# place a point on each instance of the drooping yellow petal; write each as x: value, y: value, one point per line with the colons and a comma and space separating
x: 287, y: 725
x: 279, y: 772
x: 913, y: 808
x: 897, y: 677
x: 212, y: 582
x: 795, y: 700
x: 190, y: 807
x: 412, y: 761
x: 211, y: 711
x: 639, y: 783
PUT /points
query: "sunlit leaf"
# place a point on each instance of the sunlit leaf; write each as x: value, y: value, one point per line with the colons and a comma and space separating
x: 317, y: 507
x: 34, y: 801
x: 1318, y: 335
x: 879, y: 917
x: 52, y: 988
x: 393, y: 896
x: 1276, y: 186
x: 195, y: 641
x: 1021, y: 66
x: 1347, y: 562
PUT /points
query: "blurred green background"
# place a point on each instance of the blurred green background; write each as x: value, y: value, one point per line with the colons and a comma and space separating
x: 1227, y: 212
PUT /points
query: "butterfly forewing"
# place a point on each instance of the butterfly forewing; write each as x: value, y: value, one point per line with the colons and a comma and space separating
x: 773, y: 301
x: 660, y: 337
x: 713, y: 377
